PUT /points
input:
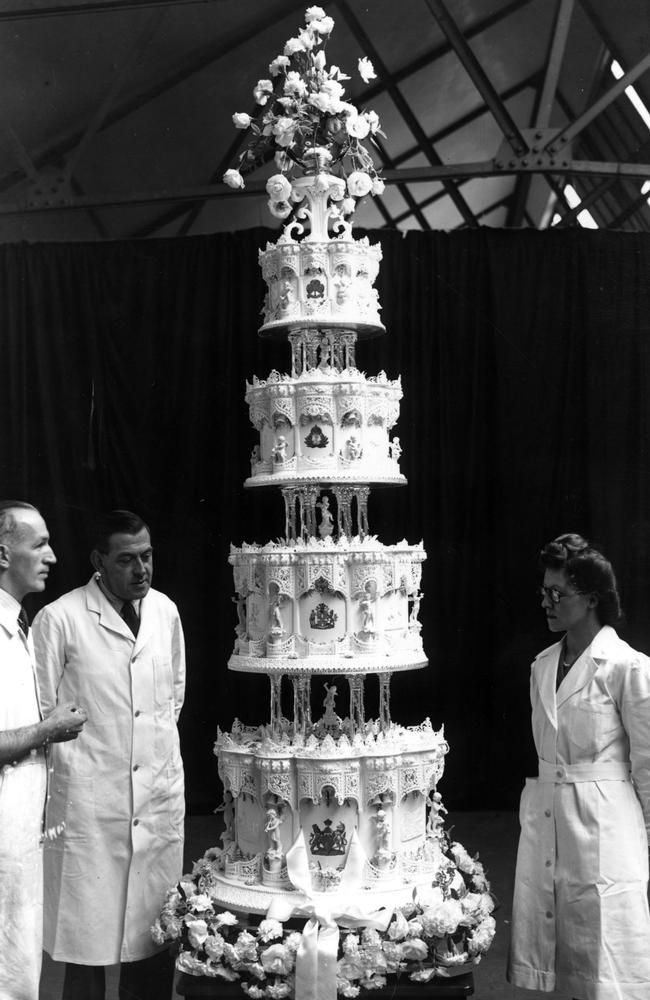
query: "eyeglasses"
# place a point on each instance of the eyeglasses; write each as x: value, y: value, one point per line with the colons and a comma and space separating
x: 554, y: 595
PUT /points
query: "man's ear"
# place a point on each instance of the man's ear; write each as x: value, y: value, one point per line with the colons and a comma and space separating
x: 96, y: 560
x: 5, y: 556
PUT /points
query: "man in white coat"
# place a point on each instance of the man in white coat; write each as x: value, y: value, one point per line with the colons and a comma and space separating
x: 116, y: 646
x: 25, y: 560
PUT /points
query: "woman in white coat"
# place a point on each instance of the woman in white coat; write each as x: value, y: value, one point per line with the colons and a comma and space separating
x: 580, y: 921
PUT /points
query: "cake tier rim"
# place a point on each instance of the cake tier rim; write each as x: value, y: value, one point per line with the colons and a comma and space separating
x: 280, y: 328
x: 325, y: 665
x: 309, y: 479
x: 256, y: 899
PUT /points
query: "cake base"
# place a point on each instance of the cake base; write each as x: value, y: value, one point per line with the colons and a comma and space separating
x: 257, y: 898
x: 439, y: 987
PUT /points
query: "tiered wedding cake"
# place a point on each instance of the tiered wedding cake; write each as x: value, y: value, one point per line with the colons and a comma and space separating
x: 327, y: 813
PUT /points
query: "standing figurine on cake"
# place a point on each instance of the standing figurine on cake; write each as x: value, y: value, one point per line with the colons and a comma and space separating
x: 580, y: 921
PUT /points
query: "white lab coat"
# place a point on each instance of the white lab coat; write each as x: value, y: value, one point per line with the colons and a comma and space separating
x: 22, y: 800
x: 580, y: 921
x: 118, y: 788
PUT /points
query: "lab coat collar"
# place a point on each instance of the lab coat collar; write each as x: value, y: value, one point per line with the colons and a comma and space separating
x: 602, y: 647
x: 110, y: 618
x: 545, y: 672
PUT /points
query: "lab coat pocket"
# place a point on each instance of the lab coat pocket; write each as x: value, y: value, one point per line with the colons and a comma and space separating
x: 591, y: 728
x: 524, y: 801
x: 71, y: 807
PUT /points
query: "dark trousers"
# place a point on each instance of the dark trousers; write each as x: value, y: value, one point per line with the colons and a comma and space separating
x: 150, y: 979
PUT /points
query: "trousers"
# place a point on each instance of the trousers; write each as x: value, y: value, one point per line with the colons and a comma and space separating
x: 149, y: 979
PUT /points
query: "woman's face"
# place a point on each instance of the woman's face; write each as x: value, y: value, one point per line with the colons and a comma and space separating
x: 571, y: 610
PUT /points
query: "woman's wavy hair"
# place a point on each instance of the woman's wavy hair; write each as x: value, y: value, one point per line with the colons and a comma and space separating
x: 588, y: 570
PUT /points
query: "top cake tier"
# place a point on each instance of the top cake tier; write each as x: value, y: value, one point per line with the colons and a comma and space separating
x: 325, y: 280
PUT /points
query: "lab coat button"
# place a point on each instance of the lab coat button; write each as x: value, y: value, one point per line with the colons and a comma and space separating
x: 549, y: 914
x: 137, y: 713
x: 547, y: 812
x: 559, y: 773
x: 135, y: 767
x: 548, y: 864
x: 135, y: 822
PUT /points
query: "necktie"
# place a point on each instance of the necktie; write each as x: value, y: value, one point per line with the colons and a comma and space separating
x: 129, y: 615
x: 23, y: 622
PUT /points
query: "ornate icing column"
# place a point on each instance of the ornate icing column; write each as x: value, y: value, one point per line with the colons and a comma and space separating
x: 301, y: 704
x: 384, y: 701
x: 344, y: 496
x: 289, y: 495
x: 362, y: 493
x: 357, y: 708
x: 276, y: 702
x: 309, y: 496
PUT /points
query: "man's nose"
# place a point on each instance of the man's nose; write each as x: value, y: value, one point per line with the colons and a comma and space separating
x: 50, y: 557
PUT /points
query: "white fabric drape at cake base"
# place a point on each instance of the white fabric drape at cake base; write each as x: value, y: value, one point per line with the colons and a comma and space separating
x: 22, y: 799
x: 580, y: 922
x: 106, y: 875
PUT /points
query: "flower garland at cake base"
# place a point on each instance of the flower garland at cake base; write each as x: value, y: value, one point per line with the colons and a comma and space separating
x: 443, y: 931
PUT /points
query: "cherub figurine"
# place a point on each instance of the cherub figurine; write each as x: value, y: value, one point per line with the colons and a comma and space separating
x: 280, y: 449
x: 326, y: 526
x: 395, y: 449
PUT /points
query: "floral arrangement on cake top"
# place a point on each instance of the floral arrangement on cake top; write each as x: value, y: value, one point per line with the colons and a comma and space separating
x: 443, y: 931
x: 305, y: 121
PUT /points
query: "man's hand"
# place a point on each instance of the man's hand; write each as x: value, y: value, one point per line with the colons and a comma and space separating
x: 65, y: 722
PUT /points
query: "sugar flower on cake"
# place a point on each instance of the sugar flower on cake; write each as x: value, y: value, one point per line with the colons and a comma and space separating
x: 304, y: 121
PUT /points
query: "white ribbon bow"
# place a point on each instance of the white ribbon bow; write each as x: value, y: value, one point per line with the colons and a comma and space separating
x: 317, y: 953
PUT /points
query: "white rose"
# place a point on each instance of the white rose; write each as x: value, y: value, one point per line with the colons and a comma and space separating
x: 414, y: 950
x: 378, y: 186
x: 348, y: 205
x: 366, y: 70
x: 225, y: 919
x: 278, y: 188
x: 233, y: 179
x: 359, y: 184
x: 241, y: 119
x: 197, y: 932
x: 357, y: 126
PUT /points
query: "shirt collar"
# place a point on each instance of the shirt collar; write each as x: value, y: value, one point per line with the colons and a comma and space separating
x: 9, y: 611
x: 117, y: 602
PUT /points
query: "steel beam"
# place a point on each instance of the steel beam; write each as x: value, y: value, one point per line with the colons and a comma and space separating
x: 478, y: 76
x: 403, y: 107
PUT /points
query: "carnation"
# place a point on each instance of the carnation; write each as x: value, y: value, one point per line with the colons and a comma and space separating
x: 269, y: 928
x: 323, y: 25
x: 225, y: 919
x: 278, y: 64
x: 366, y: 70
x: 214, y: 945
x: 423, y: 975
x: 442, y: 920
x: 278, y: 990
x: 277, y: 959
x: 414, y: 950
x: 252, y: 991
x: 481, y: 937
x: 292, y: 46
x: 262, y: 91
x: 314, y: 14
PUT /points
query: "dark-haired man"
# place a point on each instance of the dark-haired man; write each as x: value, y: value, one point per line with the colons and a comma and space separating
x: 117, y: 646
x: 25, y: 560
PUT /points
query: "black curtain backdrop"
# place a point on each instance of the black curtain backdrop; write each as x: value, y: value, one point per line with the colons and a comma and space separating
x: 525, y: 361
